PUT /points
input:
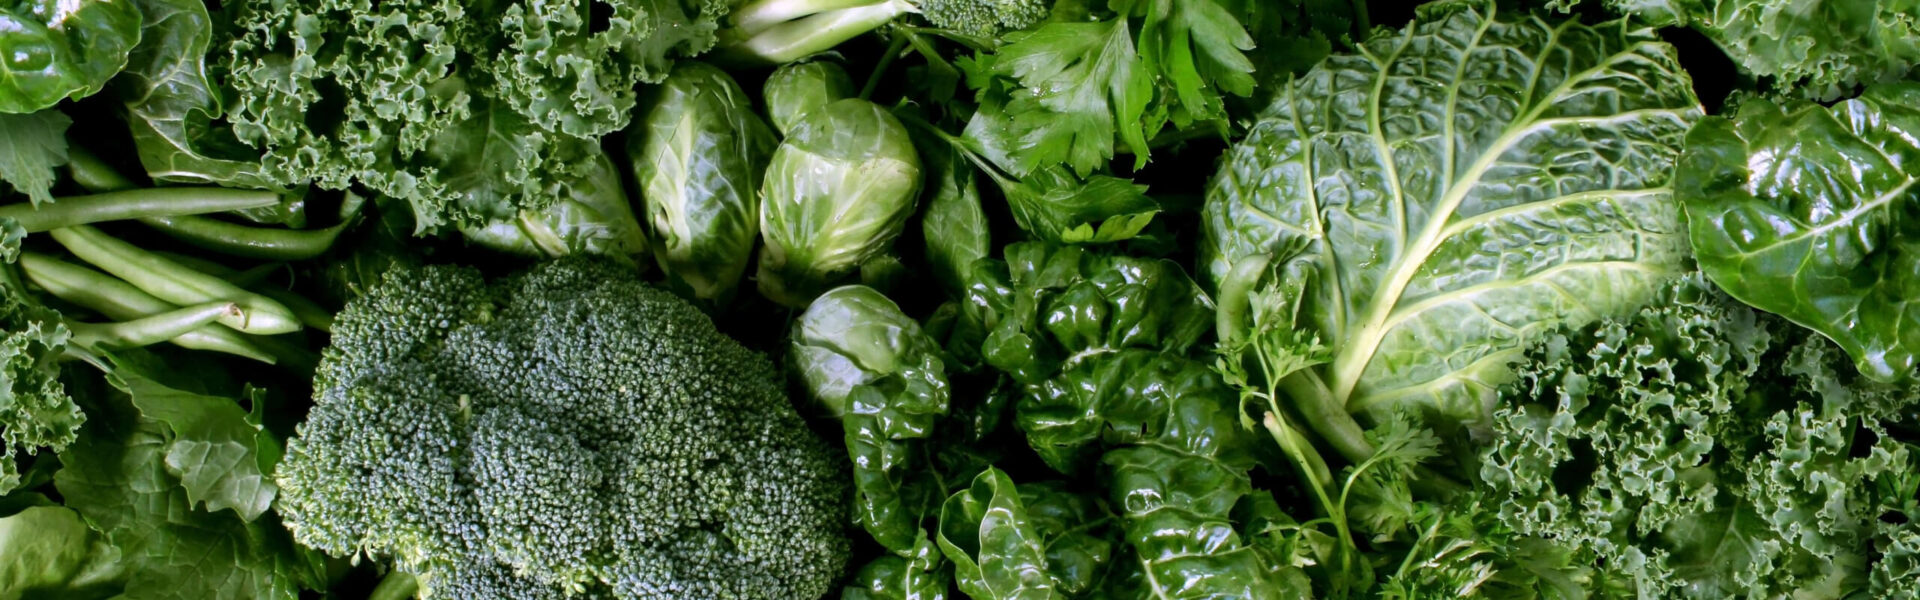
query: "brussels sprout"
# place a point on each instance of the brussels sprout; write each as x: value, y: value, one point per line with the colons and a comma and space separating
x: 797, y: 88
x: 593, y: 217
x: 837, y: 193
x: 698, y: 154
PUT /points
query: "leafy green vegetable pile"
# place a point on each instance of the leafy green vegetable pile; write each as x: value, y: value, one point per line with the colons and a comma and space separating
x: 988, y: 299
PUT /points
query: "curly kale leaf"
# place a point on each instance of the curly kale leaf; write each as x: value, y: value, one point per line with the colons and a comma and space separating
x: 471, y: 112
x: 1697, y: 448
x: 35, y: 410
x: 1818, y: 49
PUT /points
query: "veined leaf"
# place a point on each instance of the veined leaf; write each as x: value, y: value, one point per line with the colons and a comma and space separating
x: 1461, y: 186
x: 1802, y: 210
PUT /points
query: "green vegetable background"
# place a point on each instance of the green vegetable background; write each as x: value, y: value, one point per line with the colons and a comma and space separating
x: 960, y: 299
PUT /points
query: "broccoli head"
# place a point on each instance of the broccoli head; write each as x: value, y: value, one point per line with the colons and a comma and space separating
x: 565, y: 432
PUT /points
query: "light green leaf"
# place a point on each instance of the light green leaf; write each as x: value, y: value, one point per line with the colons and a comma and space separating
x: 35, y: 144
x: 1461, y: 186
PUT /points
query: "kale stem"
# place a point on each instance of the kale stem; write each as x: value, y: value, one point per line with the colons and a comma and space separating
x: 134, y: 204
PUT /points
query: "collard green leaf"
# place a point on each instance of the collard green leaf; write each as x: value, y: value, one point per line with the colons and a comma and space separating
x: 698, y: 153
x: 996, y: 553
x: 174, y: 106
x: 48, y: 552
x: 59, y: 49
x: 1805, y: 211
x: 116, y: 475
x: 1461, y: 186
x: 874, y: 369
x: 214, y: 451
x: 35, y: 144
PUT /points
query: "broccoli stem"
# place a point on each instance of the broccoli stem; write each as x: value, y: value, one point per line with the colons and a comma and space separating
x: 134, y: 204
x: 151, y: 330
x: 795, y: 39
x: 120, y: 301
x: 170, y: 281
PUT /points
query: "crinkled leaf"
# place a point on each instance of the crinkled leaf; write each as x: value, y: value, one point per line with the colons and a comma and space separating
x: 1461, y: 186
x: 1818, y: 49
x: 1097, y: 341
x: 36, y: 143
x: 1699, y: 449
x: 59, y: 49
x: 1802, y: 211
x: 35, y: 410
x: 873, y: 368
x: 571, y: 66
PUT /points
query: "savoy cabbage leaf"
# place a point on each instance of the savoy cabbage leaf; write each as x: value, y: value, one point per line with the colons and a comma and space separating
x: 1445, y: 193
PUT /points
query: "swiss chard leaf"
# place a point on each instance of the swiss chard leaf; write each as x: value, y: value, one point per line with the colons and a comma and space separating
x: 1806, y: 212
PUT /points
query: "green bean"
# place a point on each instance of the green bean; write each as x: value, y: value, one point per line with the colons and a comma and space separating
x: 310, y: 313
x: 147, y: 331
x: 170, y: 281
x: 134, y: 204
x: 120, y: 301
x: 93, y: 174
x: 269, y: 243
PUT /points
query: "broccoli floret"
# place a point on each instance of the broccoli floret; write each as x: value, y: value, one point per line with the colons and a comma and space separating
x: 781, y: 31
x: 565, y: 432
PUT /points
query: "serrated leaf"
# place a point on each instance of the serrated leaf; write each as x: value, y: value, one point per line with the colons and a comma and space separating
x: 35, y: 144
